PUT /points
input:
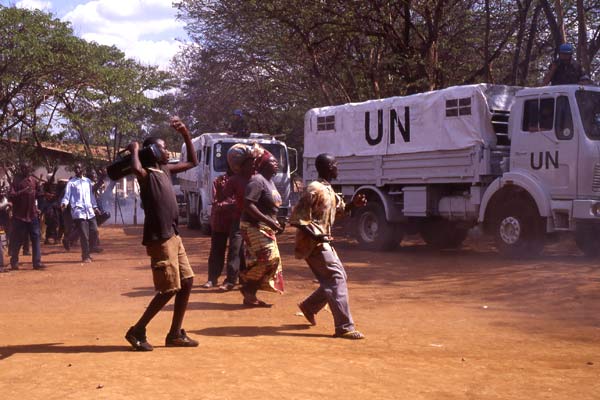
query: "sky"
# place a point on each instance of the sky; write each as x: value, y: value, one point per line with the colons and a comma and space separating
x: 145, y: 30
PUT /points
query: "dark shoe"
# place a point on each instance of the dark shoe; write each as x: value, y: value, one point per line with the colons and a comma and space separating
x: 208, y: 285
x: 350, y: 335
x: 14, y: 267
x: 86, y: 260
x: 97, y: 250
x: 66, y: 245
x: 138, y: 340
x: 39, y: 267
x: 256, y: 304
x: 310, y: 317
x: 226, y: 286
x: 181, y: 340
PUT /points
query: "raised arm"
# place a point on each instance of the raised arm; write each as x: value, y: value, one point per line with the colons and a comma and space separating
x: 192, y: 159
x: 136, y: 164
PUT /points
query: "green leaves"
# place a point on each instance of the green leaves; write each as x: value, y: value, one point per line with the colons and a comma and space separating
x: 51, y: 79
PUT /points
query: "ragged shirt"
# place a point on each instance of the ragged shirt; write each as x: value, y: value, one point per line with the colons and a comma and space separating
x: 319, y: 206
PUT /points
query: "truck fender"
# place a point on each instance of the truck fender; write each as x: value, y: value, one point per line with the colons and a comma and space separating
x: 391, y: 211
x: 525, y: 182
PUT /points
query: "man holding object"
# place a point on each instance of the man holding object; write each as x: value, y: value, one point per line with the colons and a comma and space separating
x: 171, y: 270
x: 314, y: 216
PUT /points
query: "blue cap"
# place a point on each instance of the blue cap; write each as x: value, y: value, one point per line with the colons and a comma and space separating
x: 238, y: 112
x: 565, y: 48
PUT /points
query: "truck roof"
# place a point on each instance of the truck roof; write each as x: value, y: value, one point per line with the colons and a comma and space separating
x: 212, y: 137
x: 457, y: 117
x: 554, y: 89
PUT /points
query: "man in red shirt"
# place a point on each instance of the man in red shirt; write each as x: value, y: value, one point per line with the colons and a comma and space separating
x: 25, y: 220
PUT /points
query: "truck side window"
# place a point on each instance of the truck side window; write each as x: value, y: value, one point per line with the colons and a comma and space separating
x: 564, y: 121
x: 546, y: 114
x: 538, y: 115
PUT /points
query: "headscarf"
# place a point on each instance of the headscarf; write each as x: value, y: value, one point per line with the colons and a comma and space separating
x: 263, y: 159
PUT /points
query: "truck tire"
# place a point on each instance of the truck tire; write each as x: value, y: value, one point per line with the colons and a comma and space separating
x: 373, y: 231
x: 587, y: 238
x: 442, y: 234
x: 518, y: 229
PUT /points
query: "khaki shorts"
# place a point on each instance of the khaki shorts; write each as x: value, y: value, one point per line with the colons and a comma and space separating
x: 169, y: 264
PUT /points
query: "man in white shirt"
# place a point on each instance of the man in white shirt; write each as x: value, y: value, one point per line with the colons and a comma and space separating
x: 79, y: 195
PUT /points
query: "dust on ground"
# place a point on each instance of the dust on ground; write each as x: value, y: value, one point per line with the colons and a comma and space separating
x: 463, y: 324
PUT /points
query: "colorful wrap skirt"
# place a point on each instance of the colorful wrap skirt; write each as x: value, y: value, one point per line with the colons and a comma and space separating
x: 263, y: 262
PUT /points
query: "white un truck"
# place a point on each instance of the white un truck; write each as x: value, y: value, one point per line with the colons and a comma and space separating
x: 523, y: 163
x: 211, y: 149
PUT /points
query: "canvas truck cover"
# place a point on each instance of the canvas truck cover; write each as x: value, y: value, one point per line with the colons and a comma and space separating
x: 458, y: 117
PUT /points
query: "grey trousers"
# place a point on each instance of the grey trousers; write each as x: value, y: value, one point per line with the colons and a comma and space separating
x: 333, y: 290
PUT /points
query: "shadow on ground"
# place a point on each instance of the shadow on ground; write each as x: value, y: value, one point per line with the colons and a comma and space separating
x: 43, y: 348
x: 252, y: 331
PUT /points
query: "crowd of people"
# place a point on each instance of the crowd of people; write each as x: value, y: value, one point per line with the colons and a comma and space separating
x: 64, y: 212
x: 244, y: 226
x: 243, y: 220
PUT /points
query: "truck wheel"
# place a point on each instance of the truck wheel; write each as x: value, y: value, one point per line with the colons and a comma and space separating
x: 518, y: 230
x: 442, y: 234
x: 588, y: 240
x: 373, y: 231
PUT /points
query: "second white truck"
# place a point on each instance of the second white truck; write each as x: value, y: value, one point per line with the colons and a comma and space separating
x: 211, y: 149
x: 523, y: 163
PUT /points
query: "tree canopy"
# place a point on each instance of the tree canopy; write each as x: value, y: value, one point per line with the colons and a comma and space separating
x: 55, y: 86
x: 277, y: 59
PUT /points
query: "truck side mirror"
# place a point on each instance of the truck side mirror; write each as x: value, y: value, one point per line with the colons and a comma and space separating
x: 295, y: 158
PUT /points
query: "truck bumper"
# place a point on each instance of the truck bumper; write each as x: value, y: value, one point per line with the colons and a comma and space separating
x: 586, y: 209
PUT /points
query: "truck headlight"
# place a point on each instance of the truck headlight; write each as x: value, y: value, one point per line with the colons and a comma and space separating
x: 596, y: 209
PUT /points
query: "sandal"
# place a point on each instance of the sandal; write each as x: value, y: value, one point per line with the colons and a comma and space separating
x: 256, y: 304
x: 351, y: 335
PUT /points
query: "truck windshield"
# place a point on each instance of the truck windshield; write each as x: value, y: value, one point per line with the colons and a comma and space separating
x: 589, y: 108
x: 220, y: 152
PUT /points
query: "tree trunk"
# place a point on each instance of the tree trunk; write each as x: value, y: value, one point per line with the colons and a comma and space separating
x: 557, y: 31
x: 522, y: 21
x: 582, y: 45
x: 529, y: 48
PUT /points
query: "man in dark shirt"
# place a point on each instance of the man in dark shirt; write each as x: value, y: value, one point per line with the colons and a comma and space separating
x: 220, y: 225
x: 25, y: 221
x: 171, y: 270
x: 564, y: 70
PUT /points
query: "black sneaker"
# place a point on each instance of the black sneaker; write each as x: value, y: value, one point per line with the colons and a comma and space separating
x: 138, y: 340
x: 181, y: 340
x: 39, y: 267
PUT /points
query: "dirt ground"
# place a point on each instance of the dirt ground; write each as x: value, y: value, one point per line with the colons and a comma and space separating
x: 464, y: 324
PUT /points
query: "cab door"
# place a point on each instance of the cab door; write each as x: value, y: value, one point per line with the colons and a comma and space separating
x: 546, y: 146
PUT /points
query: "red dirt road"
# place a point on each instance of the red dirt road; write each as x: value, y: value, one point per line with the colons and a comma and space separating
x: 440, y: 325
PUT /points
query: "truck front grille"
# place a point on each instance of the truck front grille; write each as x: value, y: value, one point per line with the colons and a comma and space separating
x: 596, y: 179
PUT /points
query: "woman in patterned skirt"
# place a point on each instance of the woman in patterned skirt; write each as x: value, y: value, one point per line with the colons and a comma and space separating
x: 259, y: 226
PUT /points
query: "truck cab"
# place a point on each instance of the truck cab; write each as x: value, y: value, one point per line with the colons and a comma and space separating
x: 211, y: 149
x: 555, y: 159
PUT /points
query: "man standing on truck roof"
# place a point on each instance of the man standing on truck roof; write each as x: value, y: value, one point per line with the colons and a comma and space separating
x: 314, y: 216
x: 564, y: 70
